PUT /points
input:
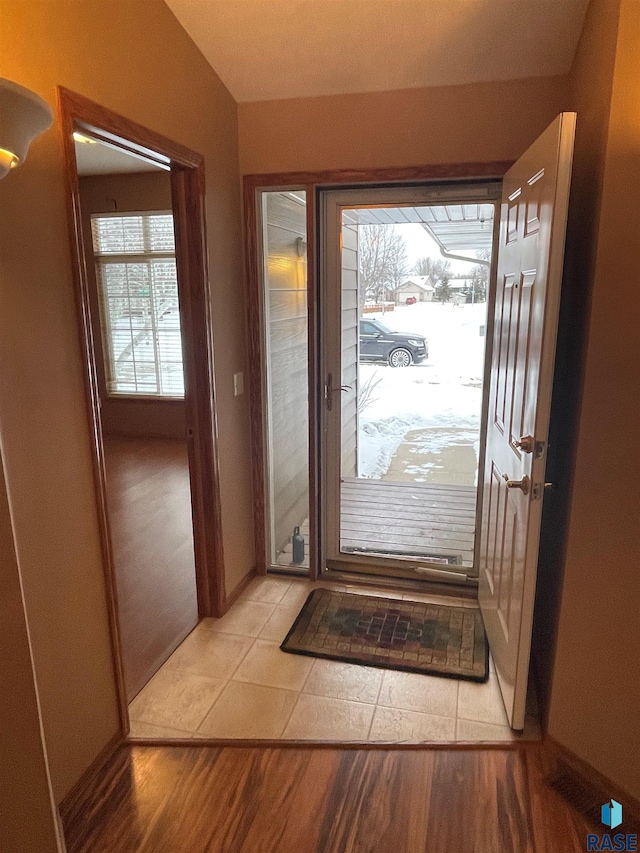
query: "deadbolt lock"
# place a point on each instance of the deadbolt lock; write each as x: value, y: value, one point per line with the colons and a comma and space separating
x: 527, y: 444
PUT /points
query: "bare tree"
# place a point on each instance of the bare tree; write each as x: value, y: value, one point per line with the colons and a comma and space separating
x: 477, y: 291
x: 383, y: 260
x: 434, y: 268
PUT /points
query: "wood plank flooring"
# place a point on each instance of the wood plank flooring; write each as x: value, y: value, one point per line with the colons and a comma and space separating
x: 149, y: 502
x: 408, y: 518
x: 303, y: 800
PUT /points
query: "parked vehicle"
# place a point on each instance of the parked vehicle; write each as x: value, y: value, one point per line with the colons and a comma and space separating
x: 410, y: 300
x: 398, y: 349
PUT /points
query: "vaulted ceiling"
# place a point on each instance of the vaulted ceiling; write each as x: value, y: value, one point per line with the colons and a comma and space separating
x: 272, y: 49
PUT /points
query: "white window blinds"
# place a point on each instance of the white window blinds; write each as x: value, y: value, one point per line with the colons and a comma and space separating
x: 138, y: 290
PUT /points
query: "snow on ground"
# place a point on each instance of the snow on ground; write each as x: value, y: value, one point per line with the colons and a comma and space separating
x: 445, y: 391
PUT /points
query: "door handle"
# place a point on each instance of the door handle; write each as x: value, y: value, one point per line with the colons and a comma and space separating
x: 524, y: 484
x: 329, y: 389
x: 527, y: 444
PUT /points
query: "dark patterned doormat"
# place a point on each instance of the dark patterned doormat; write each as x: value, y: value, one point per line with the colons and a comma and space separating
x: 408, y: 635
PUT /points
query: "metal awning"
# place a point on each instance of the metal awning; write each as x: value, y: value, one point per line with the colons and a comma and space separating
x: 457, y: 228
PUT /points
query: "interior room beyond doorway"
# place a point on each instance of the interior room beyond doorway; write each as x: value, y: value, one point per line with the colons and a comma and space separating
x: 128, y: 228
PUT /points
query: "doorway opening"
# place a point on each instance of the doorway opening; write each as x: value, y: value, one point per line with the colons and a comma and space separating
x: 490, y: 482
x: 413, y: 336
x: 136, y: 332
x: 406, y: 289
x: 138, y: 234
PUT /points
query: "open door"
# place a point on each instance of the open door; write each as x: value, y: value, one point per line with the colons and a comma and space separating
x: 529, y: 276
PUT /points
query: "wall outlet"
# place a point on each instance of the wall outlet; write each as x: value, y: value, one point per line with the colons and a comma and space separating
x: 238, y: 384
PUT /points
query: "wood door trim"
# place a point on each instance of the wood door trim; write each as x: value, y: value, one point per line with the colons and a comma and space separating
x: 125, y: 133
x: 403, y: 174
x: 311, y: 182
x: 188, y: 196
x: 255, y: 327
x: 98, y: 765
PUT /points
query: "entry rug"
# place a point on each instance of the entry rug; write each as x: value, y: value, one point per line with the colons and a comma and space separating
x: 411, y: 636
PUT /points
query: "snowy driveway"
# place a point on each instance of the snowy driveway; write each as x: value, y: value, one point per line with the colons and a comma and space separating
x: 437, y: 402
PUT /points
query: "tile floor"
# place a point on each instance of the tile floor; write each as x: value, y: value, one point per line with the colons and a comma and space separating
x: 229, y: 679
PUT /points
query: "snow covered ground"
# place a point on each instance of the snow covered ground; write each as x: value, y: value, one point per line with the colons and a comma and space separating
x: 444, y: 392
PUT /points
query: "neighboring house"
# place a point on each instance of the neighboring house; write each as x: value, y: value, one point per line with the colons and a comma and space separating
x: 58, y: 672
x: 457, y: 286
x: 416, y: 287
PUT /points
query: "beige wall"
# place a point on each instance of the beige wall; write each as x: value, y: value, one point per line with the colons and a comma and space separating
x: 127, y: 193
x: 451, y: 124
x: 27, y: 813
x: 132, y: 56
x: 589, y: 94
x: 595, y: 703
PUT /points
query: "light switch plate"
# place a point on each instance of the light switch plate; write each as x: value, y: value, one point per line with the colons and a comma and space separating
x: 238, y: 384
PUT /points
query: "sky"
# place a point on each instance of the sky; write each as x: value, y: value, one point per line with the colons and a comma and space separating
x: 421, y: 245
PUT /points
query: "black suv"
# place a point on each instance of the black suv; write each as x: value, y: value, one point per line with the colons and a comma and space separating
x: 398, y: 349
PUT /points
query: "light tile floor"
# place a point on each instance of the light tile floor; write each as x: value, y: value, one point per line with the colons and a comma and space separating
x: 229, y: 679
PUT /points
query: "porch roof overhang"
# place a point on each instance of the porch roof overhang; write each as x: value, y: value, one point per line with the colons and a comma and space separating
x: 457, y: 228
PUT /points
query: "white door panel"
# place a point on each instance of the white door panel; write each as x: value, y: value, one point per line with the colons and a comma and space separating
x: 529, y: 277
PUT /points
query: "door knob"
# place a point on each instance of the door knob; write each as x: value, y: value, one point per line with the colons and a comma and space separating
x: 524, y: 484
x: 527, y: 444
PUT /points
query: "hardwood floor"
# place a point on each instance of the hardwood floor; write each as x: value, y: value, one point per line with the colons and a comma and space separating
x: 408, y: 518
x: 149, y: 502
x: 305, y: 800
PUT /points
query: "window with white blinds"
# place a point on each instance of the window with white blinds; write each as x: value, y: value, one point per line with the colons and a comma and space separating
x: 138, y: 290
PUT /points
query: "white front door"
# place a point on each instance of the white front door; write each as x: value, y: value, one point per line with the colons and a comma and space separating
x: 529, y: 276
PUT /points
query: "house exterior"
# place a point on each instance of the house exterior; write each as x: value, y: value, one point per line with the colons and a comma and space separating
x: 416, y: 287
x: 57, y: 669
x: 457, y: 286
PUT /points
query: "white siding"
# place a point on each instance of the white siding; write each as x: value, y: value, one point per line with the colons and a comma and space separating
x: 350, y: 346
x: 286, y: 332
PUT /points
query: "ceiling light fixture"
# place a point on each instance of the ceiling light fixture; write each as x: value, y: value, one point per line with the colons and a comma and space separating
x: 23, y: 116
x: 86, y: 140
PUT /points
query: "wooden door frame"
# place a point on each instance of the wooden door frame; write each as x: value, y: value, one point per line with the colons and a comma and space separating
x: 311, y: 183
x: 188, y: 204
